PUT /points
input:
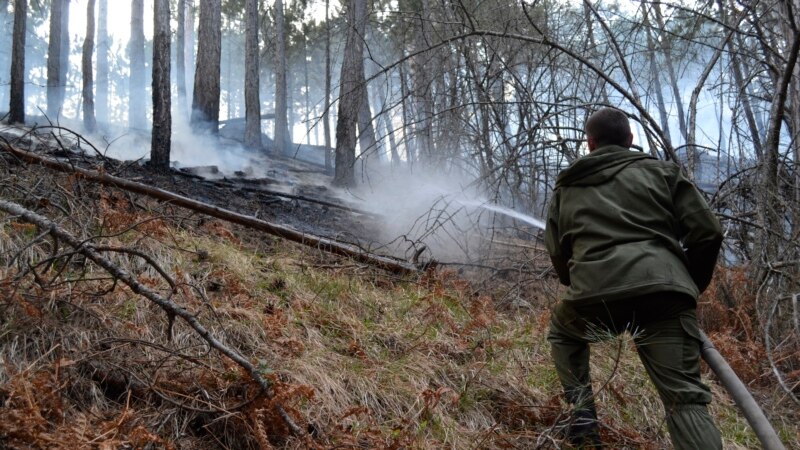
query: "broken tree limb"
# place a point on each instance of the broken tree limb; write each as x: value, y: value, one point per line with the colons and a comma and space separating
x: 169, y: 306
x: 329, y: 245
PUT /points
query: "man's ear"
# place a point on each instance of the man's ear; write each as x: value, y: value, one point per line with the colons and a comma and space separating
x: 629, y: 142
x: 592, y: 143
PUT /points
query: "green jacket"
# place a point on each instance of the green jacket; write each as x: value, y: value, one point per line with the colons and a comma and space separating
x: 623, y: 224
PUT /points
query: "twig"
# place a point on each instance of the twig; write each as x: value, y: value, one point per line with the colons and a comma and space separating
x: 167, y: 305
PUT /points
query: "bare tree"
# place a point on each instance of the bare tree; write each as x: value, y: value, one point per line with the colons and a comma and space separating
x: 282, y: 132
x: 180, y: 56
x: 89, y: 121
x: 189, y: 48
x: 57, y: 46
x: 162, y: 119
x: 137, y: 117
x: 17, y: 104
x: 101, y: 86
x: 326, y: 120
x: 252, y: 133
x: 205, y: 100
x: 350, y: 94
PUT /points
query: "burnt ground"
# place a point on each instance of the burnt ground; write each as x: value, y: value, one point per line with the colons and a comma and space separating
x: 278, y: 189
x: 311, y: 208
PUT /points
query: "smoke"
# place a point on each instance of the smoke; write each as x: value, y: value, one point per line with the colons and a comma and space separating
x: 447, y: 214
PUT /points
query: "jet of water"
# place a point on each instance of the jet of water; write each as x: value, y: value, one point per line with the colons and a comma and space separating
x: 505, y: 211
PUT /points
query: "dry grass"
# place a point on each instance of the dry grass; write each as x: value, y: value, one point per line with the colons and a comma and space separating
x: 360, y: 359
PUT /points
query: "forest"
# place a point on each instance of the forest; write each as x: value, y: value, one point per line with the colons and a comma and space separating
x: 316, y: 224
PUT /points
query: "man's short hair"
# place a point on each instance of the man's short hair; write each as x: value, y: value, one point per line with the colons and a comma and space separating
x: 608, y: 126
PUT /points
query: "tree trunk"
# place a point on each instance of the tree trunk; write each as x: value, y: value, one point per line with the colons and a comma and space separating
x: 367, y: 140
x: 137, y: 116
x: 101, y: 86
x: 281, y: 114
x: 205, y: 101
x: 54, y: 50
x: 326, y: 120
x: 65, y: 52
x: 180, y: 57
x: 770, y: 198
x: 587, y: 18
x: 89, y: 121
x: 162, y: 119
x: 252, y: 98
x: 387, y: 123
x: 421, y: 86
x: 17, y: 104
x: 307, y: 86
x: 228, y: 82
x: 408, y: 138
x: 673, y: 79
x: 366, y: 131
x: 5, y: 60
x: 189, y: 56
x: 350, y: 95
x: 656, y: 79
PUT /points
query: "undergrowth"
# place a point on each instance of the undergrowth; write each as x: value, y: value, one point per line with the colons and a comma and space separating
x: 359, y: 358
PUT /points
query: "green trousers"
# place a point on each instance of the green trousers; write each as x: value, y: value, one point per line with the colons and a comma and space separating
x: 667, y: 338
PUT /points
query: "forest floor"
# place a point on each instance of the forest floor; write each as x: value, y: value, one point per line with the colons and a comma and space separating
x: 356, y: 356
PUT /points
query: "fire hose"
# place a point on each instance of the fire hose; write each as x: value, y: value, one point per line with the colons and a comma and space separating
x: 741, y: 396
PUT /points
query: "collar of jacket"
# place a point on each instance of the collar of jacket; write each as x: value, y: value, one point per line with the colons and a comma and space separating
x: 598, y: 166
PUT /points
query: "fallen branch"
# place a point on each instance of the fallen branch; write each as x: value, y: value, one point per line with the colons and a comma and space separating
x: 329, y: 245
x: 170, y: 307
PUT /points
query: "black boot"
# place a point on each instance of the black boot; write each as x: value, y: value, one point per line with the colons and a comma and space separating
x: 583, y: 431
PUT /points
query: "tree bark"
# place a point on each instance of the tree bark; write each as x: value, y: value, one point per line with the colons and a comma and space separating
x: 17, y: 103
x: 408, y: 138
x: 366, y: 131
x: 54, y: 69
x: 180, y: 57
x: 326, y: 120
x: 101, y: 85
x: 189, y: 56
x: 65, y: 52
x: 252, y: 96
x: 137, y: 116
x: 205, y: 100
x: 282, y: 132
x: 307, y: 86
x: 350, y: 94
x: 162, y: 100
x: 89, y: 121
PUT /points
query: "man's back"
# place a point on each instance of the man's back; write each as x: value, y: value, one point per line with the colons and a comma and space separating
x: 616, y: 224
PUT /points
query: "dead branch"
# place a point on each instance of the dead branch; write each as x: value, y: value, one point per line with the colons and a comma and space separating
x: 322, y: 243
x: 169, y: 306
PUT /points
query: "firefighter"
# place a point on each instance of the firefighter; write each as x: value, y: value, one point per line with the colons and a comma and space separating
x: 636, y: 243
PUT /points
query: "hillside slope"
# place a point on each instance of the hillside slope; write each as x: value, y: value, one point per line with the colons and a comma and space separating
x: 357, y: 358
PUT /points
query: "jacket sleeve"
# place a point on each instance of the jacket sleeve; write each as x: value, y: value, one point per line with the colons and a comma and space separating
x: 699, y: 231
x: 552, y: 240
